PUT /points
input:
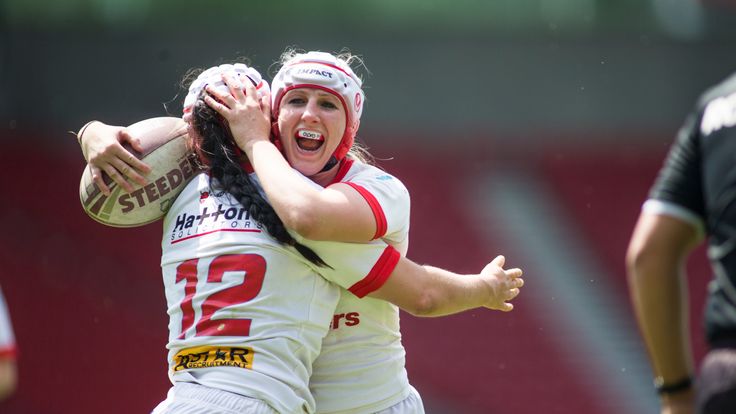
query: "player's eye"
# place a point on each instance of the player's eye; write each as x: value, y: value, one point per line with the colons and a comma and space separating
x: 327, y: 104
x: 296, y: 100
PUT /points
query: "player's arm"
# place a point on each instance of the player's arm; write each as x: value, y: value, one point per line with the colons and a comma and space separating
x: 378, y: 270
x: 655, y: 263
x: 102, y: 148
x: 337, y: 212
x: 430, y: 291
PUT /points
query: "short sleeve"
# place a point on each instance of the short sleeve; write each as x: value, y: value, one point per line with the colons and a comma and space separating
x: 389, y: 200
x: 361, y: 268
x: 680, y: 182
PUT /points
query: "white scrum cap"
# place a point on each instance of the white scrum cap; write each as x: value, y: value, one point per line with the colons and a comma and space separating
x: 322, y: 71
x: 213, y: 76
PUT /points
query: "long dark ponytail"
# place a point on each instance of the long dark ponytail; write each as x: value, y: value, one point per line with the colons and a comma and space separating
x: 216, y: 148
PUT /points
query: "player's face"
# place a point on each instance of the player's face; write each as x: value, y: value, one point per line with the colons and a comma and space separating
x: 311, y: 123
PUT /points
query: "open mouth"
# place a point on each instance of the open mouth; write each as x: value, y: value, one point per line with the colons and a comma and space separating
x: 309, y: 140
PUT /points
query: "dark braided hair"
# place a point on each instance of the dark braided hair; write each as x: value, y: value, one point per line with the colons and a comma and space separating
x: 214, y: 145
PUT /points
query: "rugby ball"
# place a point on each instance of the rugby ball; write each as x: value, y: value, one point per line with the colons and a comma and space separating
x: 165, y: 150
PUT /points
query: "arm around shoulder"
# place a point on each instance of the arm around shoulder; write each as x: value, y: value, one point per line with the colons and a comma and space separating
x: 370, y: 206
x: 335, y: 213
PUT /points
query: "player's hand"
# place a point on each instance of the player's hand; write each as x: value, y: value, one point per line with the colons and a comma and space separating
x: 504, y: 284
x: 248, y: 116
x: 102, y: 147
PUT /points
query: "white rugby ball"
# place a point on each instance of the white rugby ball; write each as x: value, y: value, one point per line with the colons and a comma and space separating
x: 164, y: 141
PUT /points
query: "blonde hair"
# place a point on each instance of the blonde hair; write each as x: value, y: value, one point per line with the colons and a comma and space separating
x: 360, y: 152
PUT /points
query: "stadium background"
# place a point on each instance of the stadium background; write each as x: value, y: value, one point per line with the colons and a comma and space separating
x: 528, y: 127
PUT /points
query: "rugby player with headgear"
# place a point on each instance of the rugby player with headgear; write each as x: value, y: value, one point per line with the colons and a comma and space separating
x: 316, y: 105
x: 317, y: 102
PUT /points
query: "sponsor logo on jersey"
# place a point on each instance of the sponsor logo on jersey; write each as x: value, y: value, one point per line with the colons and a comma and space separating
x: 163, y: 185
x: 213, y: 218
x: 345, y: 319
x: 718, y: 114
x: 209, y: 356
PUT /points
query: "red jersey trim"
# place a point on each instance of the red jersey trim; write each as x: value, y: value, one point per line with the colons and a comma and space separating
x: 342, y: 171
x: 10, y: 352
x: 215, y: 231
x: 381, y: 224
x: 379, y: 273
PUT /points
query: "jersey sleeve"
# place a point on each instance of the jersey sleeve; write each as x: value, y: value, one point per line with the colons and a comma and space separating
x: 678, y: 189
x: 389, y: 200
x: 361, y: 268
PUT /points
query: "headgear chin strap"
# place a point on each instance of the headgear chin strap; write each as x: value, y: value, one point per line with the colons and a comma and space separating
x: 323, y: 71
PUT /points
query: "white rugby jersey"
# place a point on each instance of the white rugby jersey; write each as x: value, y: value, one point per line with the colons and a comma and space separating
x: 7, y: 338
x: 248, y: 315
x: 361, y: 368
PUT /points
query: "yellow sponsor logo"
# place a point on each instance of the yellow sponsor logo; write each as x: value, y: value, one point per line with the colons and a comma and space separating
x: 208, y: 357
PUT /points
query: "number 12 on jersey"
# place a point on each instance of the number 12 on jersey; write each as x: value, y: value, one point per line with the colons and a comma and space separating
x: 253, y: 268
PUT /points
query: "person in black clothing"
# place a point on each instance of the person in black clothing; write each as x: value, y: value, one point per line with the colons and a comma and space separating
x: 693, y: 198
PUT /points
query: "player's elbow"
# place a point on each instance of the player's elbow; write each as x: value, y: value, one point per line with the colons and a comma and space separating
x: 301, y: 217
x: 637, y: 256
x: 634, y: 257
x: 314, y: 224
x: 647, y: 260
x: 422, y: 304
x: 304, y: 223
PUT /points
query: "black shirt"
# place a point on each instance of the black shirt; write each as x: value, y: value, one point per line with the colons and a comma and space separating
x: 699, y: 176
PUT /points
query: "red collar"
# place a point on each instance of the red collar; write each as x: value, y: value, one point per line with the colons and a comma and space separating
x: 342, y: 170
